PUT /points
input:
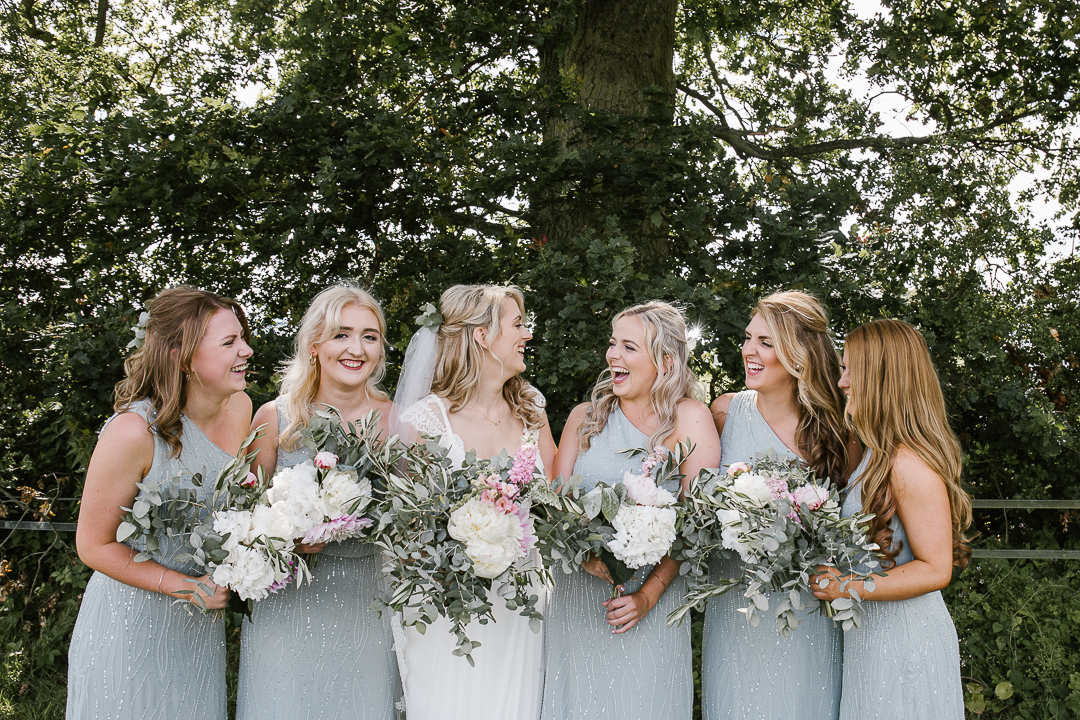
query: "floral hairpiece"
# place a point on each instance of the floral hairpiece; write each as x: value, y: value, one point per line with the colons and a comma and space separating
x: 429, y: 318
x: 140, y: 331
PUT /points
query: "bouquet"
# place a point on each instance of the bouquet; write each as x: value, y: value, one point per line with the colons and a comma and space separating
x: 451, y: 535
x: 233, y: 533
x: 326, y: 498
x: 630, y: 525
x: 782, y: 524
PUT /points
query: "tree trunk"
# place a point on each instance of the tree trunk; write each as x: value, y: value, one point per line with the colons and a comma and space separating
x: 606, y: 58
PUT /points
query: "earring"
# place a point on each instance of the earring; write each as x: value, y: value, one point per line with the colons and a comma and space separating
x: 312, y: 359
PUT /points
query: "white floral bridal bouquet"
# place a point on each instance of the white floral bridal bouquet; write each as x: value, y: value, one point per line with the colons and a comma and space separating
x: 233, y: 532
x: 783, y: 523
x: 451, y: 535
x: 629, y: 526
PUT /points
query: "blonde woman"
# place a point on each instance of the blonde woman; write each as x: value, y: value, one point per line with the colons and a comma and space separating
x: 478, y: 401
x: 617, y: 658
x: 903, y: 662
x: 136, y: 652
x: 318, y: 651
x: 792, y: 405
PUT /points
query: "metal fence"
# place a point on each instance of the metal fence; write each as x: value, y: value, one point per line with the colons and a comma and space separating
x: 979, y: 504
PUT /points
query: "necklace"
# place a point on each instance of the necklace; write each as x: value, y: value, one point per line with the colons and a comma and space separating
x: 493, y: 422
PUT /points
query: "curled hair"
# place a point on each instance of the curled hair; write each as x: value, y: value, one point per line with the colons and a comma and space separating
x: 301, y: 378
x: 897, y: 400
x: 461, y: 358
x: 665, y: 342
x: 799, y: 328
x: 157, y: 371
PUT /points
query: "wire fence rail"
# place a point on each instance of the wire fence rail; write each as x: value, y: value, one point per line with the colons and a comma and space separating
x: 976, y: 553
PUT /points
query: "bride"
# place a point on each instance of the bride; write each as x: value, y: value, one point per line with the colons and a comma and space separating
x: 478, y: 401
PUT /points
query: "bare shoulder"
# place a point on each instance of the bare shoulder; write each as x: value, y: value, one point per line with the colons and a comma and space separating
x: 266, y: 415
x: 691, y: 410
x: 239, y: 406
x: 577, y: 415
x: 721, y: 404
x: 128, y: 431
x: 911, y: 474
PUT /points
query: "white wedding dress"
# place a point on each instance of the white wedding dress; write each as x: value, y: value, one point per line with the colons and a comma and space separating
x: 507, y: 682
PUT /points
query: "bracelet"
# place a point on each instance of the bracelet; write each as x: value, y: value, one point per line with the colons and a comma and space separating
x: 662, y: 583
x: 160, y: 579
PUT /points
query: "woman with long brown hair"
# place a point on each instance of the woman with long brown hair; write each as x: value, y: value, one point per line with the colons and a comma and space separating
x: 904, y: 661
x: 180, y: 410
x: 793, y: 406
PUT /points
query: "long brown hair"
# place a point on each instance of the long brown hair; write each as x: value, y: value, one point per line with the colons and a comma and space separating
x: 461, y: 359
x: 897, y: 400
x: 799, y: 327
x: 301, y: 377
x: 665, y: 341
x: 157, y: 371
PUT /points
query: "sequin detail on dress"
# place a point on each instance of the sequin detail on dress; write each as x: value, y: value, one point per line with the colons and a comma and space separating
x: 137, y: 655
x: 752, y: 673
x: 318, y: 652
x: 591, y: 673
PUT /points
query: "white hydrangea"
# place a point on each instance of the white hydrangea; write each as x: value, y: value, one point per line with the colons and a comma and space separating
x: 268, y: 522
x: 643, y: 534
x: 754, y: 487
x: 492, y: 538
x: 236, y: 523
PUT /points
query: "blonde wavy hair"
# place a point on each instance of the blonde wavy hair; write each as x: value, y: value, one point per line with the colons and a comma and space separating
x: 799, y: 328
x: 665, y: 342
x: 461, y: 358
x: 158, y: 370
x: 301, y: 378
x: 897, y: 399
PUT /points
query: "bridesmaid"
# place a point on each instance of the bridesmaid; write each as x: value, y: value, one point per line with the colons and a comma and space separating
x: 180, y: 409
x: 792, y: 405
x: 318, y: 651
x: 904, y: 662
x: 617, y: 659
x: 478, y: 401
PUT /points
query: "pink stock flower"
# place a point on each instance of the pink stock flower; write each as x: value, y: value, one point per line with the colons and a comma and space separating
x: 778, y: 486
x: 505, y: 505
x: 325, y: 460
x: 524, y: 464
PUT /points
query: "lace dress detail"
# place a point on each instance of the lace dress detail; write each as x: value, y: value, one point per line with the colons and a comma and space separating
x: 507, y: 681
x: 139, y: 655
x: 319, y: 652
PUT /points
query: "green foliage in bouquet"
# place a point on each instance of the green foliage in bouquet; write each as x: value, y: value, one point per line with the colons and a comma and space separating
x: 430, y: 572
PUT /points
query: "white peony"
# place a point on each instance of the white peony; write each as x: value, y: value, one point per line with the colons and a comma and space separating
x: 492, y: 538
x: 640, y: 488
x: 247, y: 572
x: 754, y: 487
x: 237, y: 523
x: 268, y: 521
x: 812, y: 496
x: 295, y: 492
x: 643, y: 534
x: 341, y: 489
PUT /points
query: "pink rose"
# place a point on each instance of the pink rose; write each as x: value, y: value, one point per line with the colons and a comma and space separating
x: 736, y: 468
x: 325, y: 460
x: 250, y: 480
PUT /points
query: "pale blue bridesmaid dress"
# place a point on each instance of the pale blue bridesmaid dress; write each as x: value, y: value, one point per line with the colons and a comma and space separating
x: 904, y: 662
x: 319, y: 651
x: 140, y: 655
x: 591, y: 673
x: 753, y: 673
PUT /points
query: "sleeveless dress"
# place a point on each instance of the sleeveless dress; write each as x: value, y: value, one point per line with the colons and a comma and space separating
x: 319, y: 651
x: 507, y: 682
x: 137, y: 654
x: 904, y: 662
x: 590, y: 671
x: 754, y: 673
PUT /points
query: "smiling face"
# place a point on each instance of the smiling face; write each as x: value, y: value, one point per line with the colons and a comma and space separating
x: 509, y: 347
x: 220, y: 360
x: 352, y: 353
x: 763, y: 368
x: 632, y: 370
